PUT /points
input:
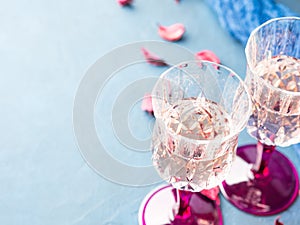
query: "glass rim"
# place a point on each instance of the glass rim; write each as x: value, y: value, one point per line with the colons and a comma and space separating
x: 236, y: 130
x: 252, y: 34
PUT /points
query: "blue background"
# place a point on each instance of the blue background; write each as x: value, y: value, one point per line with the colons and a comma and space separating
x: 45, y: 49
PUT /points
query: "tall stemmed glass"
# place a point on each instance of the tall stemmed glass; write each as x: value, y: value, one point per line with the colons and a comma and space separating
x: 200, y: 109
x: 273, y: 79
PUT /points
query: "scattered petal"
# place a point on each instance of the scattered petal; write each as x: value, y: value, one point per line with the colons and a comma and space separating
x: 153, y: 59
x: 171, y: 33
x: 208, y: 55
x: 177, y: 1
x: 125, y: 2
x: 277, y: 222
x: 147, y: 103
x: 212, y: 194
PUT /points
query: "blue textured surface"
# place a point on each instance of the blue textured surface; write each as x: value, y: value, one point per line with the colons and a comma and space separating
x: 45, y: 49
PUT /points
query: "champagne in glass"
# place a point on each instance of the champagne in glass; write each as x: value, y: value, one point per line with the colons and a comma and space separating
x: 276, y: 117
x: 200, y: 108
x: 189, y: 165
x: 273, y: 79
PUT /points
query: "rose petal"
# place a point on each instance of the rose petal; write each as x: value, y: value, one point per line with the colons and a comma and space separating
x: 207, y: 55
x: 277, y: 222
x: 147, y: 103
x: 125, y: 2
x: 153, y: 59
x: 212, y: 194
x: 171, y: 33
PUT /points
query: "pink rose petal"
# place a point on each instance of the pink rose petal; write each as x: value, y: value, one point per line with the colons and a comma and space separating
x: 147, y: 103
x: 171, y: 33
x: 277, y: 222
x: 212, y: 194
x: 207, y: 55
x: 152, y: 58
x: 125, y: 2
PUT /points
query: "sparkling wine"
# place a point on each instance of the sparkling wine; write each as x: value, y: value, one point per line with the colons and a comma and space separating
x: 276, y: 117
x: 180, y: 154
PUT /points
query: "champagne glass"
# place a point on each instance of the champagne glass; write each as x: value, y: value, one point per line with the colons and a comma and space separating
x: 273, y: 80
x: 200, y: 109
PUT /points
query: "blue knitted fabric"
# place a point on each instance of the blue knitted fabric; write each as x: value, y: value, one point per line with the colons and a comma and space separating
x: 240, y: 17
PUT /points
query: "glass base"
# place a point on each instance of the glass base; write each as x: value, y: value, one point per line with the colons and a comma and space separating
x: 271, y: 191
x: 156, y: 209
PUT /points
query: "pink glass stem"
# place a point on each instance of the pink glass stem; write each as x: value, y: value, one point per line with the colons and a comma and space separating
x: 260, y: 168
x: 274, y: 187
x: 193, y: 207
x: 183, y: 200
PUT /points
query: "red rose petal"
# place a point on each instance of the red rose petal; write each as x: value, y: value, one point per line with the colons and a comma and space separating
x: 153, y: 59
x: 207, y: 55
x: 124, y: 2
x: 147, y: 103
x: 171, y: 33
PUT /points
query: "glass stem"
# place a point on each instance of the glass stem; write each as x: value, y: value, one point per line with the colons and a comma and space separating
x: 259, y: 153
x: 175, y: 209
x: 180, y: 209
x: 262, y: 158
